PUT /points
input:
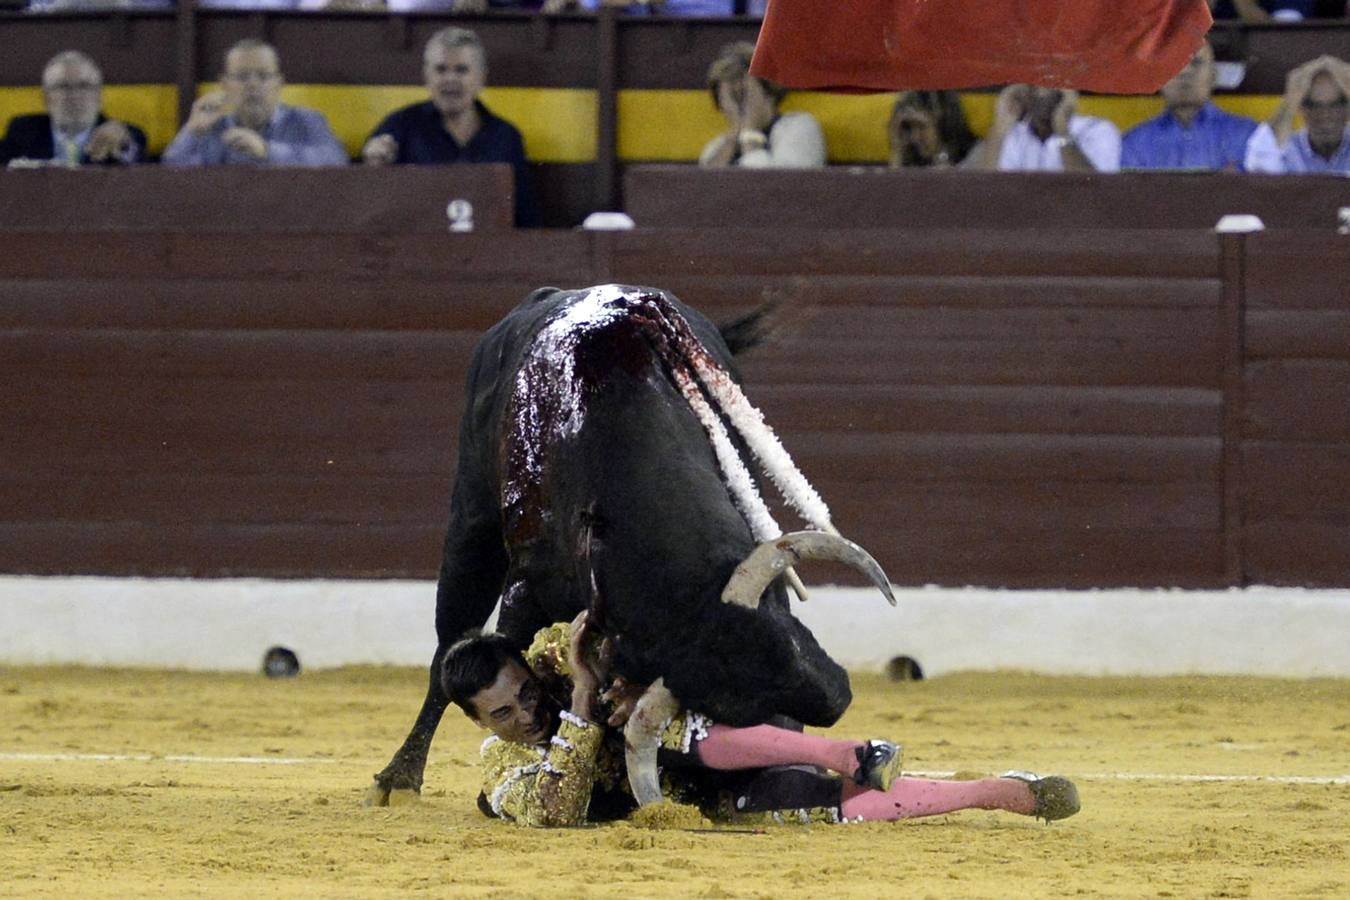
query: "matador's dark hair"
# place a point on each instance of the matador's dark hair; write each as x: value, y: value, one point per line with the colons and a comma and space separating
x: 473, y: 663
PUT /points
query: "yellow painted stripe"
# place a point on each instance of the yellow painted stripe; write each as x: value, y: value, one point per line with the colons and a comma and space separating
x: 154, y: 107
x: 559, y: 124
x: 673, y: 126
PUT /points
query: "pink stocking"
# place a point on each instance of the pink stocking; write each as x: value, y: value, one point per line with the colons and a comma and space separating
x: 766, y: 745
x: 910, y: 798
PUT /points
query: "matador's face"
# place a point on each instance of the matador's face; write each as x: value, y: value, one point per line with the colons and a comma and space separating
x: 515, y: 707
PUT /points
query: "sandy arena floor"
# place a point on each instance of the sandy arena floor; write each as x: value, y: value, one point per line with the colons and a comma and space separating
x: 147, y: 824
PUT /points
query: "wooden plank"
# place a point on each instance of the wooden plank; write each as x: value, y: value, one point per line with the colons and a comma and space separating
x: 218, y: 551
x: 258, y: 399
x: 485, y: 257
x: 657, y: 53
x: 1300, y: 334
x: 1230, y: 337
x: 823, y: 456
x: 1298, y: 552
x: 1296, y: 481
x: 26, y: 357
x: 1177, y: 362
x: 1174, y: 362
x: 673, y: 196
x: 919, y: 553
x: 358, y: 200
x: 358, y: 411
x: 175, y: 499
x: 990, y: 409
x: 1048, y: 506
x: 355, y: 47
x: 829, y: 457
x: 143, y: 54
x: 1024, y: 325
x: 326, y: 498
x: 1297, y: 400
x: 742, y: 291
x: 1288, y: 269
x: 228, y: 451
x: 652, y: 255
x: 912, y: 553
x: 246, y: 303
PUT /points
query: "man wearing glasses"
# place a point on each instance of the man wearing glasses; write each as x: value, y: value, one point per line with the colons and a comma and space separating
x: 74, y: 131
x: 1320, y: 90
x: 245, y: 122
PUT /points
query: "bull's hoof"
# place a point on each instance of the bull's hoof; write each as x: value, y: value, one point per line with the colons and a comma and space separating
x: 379, y: 795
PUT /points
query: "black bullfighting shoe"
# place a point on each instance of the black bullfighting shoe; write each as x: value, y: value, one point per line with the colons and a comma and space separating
x: 878, y: 764
x: 1056, y: 797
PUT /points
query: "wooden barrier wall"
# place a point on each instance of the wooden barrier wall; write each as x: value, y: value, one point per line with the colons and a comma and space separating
x: 1012, y: 406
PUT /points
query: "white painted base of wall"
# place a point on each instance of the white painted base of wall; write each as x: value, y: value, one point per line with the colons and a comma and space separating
x: 228, y: 624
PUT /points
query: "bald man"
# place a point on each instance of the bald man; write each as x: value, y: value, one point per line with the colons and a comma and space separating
x: 245, y: 122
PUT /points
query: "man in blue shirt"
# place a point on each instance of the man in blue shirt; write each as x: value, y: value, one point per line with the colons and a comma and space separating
x: 1320, y: 90
x: 453, y: 126
x: 1191, y: 133
x: 246, y: 123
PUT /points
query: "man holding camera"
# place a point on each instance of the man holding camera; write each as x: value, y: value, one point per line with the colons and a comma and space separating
x: 74, y: 131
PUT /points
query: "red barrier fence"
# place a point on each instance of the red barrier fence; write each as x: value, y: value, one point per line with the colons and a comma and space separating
x: 1012, y: 406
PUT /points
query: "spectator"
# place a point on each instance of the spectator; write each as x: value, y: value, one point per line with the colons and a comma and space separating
x: 1321, y: 89
x: 246, y: 124
x: 1036, y: 129
x: 690, y: 8
x: 928, y: 128
x: 1191, y: 133
x: 757, y: 135
x: 45, y: 6
x: 1255, y: 12
x: 461, y: 7
x: 74, y: 131
x: 453, y: 126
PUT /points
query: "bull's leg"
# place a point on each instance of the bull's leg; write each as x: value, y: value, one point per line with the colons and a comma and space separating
x: 642, y: 740
x: 473, y: 563
x: 402, y: 779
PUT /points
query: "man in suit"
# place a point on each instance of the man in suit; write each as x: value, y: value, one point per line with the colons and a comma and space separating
x: 74, y: 130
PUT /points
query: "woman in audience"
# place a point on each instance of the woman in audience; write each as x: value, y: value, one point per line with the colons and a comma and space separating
x: 757, y: 135
x: 928, y: 128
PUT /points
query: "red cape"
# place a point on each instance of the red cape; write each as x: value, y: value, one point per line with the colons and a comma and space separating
x: 1110, y: 46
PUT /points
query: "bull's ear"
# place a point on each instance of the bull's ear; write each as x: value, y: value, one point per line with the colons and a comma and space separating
x: 753, y: 328
x: 543, y: 293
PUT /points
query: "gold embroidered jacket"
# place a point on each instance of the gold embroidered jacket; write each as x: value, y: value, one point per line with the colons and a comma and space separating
x: 551, y: 784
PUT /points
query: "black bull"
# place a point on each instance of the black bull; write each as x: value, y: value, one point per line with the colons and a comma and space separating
x: 585, y: 481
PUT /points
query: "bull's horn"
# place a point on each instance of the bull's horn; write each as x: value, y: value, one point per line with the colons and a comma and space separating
x: 642, y: 739
x: 772, y: 558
